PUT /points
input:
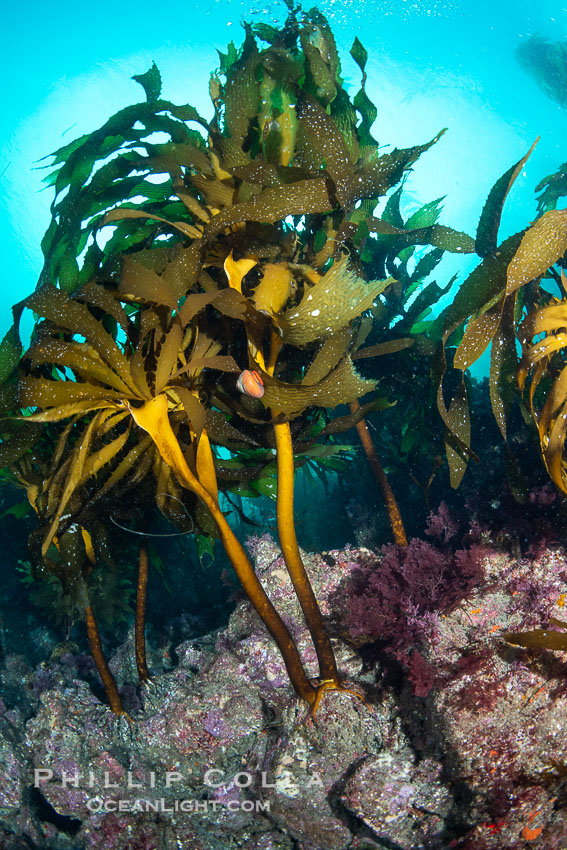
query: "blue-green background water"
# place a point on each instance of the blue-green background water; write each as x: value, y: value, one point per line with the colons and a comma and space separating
x: 66, y: 68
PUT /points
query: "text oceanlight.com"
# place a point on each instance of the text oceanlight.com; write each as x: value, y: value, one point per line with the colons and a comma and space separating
x: 161, y: 805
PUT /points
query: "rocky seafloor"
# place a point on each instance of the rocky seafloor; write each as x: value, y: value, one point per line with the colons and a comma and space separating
x: 460, y: 741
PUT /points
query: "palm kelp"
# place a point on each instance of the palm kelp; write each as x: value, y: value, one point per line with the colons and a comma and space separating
x: 176, y: 272
x: 501, y: 305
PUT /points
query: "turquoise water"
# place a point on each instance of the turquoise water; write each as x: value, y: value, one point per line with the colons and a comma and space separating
x: 66, y: 69
x: 431, y: 66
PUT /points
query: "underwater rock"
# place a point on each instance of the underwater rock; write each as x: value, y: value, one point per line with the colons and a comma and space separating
x: 401, y: 802
x: 477, y: 764
x: 500, y: 721
x: 310, y: 761
x: 19, y: 824
x: 223, y: 732
x: 546, y: 62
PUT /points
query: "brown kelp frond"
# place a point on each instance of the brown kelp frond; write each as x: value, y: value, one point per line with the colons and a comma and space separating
x: 541, y: 638
x: 282, y: 118
x: 64, y: 312
x: 507, y: 286
x: 552, y: 188
x: 62, y: 598
x: 81, y: 465
x: 543, y: 244
x: 341, y: 385
x: 108, y: 380
x: 489, y: 224
x: 338, y: 297
x: 544, y: 342
x: 483, y: 313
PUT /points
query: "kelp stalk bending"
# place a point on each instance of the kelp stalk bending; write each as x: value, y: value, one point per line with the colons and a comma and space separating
x: 153, y: 418
x: 390, y: 501
x: 101, y: 665
x: 292, y: 557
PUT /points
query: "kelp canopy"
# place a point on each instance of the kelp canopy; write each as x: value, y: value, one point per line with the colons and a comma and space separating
x: 181, y: 252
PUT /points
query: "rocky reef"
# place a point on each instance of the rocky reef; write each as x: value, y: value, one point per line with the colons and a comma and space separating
x: 458, y: 743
